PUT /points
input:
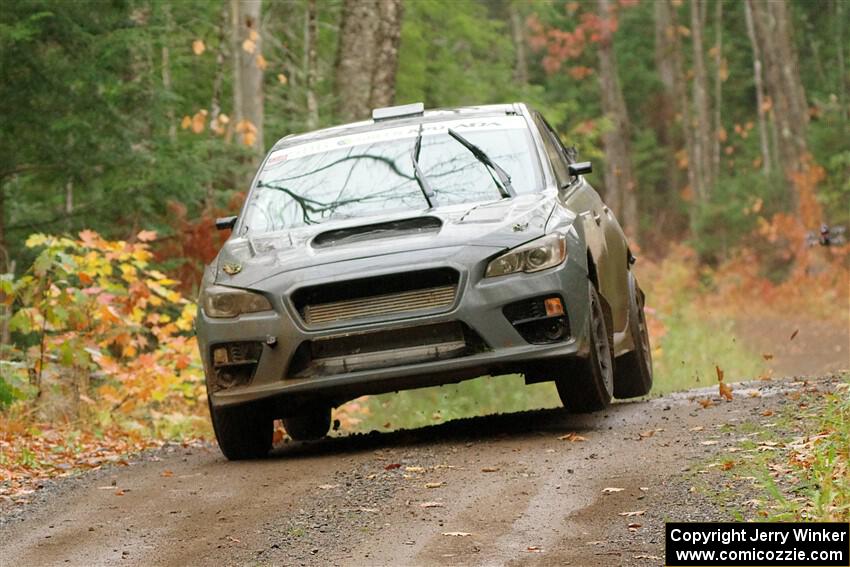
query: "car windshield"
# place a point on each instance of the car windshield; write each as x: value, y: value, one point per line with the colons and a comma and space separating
x: 372, y: 173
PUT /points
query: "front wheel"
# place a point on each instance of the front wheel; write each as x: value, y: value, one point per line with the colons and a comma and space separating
x: 243, y: 432
x: 591, y: 384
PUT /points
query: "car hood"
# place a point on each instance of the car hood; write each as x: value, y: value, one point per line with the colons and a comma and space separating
x: 246, y: 260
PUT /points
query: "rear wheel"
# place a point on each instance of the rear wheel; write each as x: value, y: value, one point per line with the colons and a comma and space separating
x: 243, y: 432
x: 590, y: 385
x: 308, y: 425
x: 633, y: 377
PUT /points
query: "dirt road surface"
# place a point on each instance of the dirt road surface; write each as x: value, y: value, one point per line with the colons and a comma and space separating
x: 518, y: 489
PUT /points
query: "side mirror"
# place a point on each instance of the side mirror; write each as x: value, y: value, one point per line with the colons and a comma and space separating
x: 225, y: 223
x: 580, y: 168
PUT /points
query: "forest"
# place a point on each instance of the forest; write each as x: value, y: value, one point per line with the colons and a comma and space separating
x: 718, y: 131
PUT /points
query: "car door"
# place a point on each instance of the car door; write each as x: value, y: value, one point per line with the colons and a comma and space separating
x: 603, y: 234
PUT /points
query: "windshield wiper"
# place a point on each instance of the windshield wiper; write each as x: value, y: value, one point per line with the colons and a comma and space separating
x: 427, y: 192
x: 506, y: 190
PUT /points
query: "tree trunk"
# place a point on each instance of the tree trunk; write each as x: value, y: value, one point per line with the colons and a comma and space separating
x: 764, y: 143
x: 718, y: 88
x: 518, y: 36
x: 248, y: 63
x: 385, y: 64
x: 842, y: 75
x: 702, y: 146
x: 367, y: 56
x: 668, y: 106
x: 782, y: 83
x: 355, y: 56
x: 166, y: 71
x: 620, y: 186
x: 311, y: 60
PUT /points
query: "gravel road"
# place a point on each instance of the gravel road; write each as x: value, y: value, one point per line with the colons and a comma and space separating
x: 524, y: 488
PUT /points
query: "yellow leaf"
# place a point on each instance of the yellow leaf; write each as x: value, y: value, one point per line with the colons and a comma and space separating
x: 36, y: 240
x: 726, y: 391
x: 282, y: 78
x: 261, y: 62
x: 146, y: 236
x: 248, y: 138
x: 249, y: 46
x: 223, y: 118
x: 186, y: 122
x: 199, y: 121
x: 198, y: 47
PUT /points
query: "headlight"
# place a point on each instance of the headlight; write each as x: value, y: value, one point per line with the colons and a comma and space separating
x: 540, y: 254
x: 225, y: 302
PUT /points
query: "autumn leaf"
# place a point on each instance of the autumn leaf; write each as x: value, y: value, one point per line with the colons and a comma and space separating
x: 198, y: 47
x: 261, y: 62
x: 146, y: 236
x: 794, y: 334
x: 705, y: 403
x: 249, y: 46
x: 186, y: 122
x: 572, y: 438
x: 392, y: 466
x: 281, y: 78
x: 725, y: 391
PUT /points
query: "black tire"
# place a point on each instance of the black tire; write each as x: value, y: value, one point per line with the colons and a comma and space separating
x: 633, y: 374
x: 308, y: 425
x: 588, y: 384
x: 243, y: 432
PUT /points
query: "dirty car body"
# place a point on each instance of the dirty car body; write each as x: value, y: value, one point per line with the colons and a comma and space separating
x: 411, y: 250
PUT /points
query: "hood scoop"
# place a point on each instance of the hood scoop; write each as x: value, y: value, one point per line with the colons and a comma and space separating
x: 392, y: 229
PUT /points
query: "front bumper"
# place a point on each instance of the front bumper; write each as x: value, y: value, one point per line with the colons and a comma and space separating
x: 478, y: 305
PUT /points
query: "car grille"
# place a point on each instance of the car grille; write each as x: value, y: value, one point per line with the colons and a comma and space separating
x: 388, y: 304
x: 387, y: 297
x: 388, y: 348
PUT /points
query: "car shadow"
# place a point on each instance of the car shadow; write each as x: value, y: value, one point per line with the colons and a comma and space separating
x: 517, y: 425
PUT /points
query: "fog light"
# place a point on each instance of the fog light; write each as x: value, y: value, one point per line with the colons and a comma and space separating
x: 220, y: 356
x: 554, y: 306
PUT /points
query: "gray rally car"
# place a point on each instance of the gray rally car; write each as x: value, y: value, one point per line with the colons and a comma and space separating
x: 415, y: 249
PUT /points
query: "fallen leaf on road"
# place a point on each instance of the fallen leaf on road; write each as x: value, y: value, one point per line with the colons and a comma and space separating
x: 119, y: 493
x: 646, y: 434
x: 630, y: 514
x: 572, y: 437
x: 533, y: 549
x: 727, y: 465
x: 611, y: 490
x: 634, y: 526
x: 431, y: 505
x: 767, y: 356
x: 767, y: 413
x: 705, y: 403
x: 490, y: 469
x: 725, y: 391
x: 166, y: 473
x: 794, y: 334
x: 434, y: 484
x: 457, y: 534
x: 392, y: 466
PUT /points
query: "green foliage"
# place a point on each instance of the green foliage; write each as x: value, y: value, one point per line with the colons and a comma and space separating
x: 426, y: 406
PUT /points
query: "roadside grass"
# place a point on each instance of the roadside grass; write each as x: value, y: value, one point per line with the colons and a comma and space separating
x: 797, y: 468
x: 426, y: 406
x: 684, y: 357
x: 692, y: 346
